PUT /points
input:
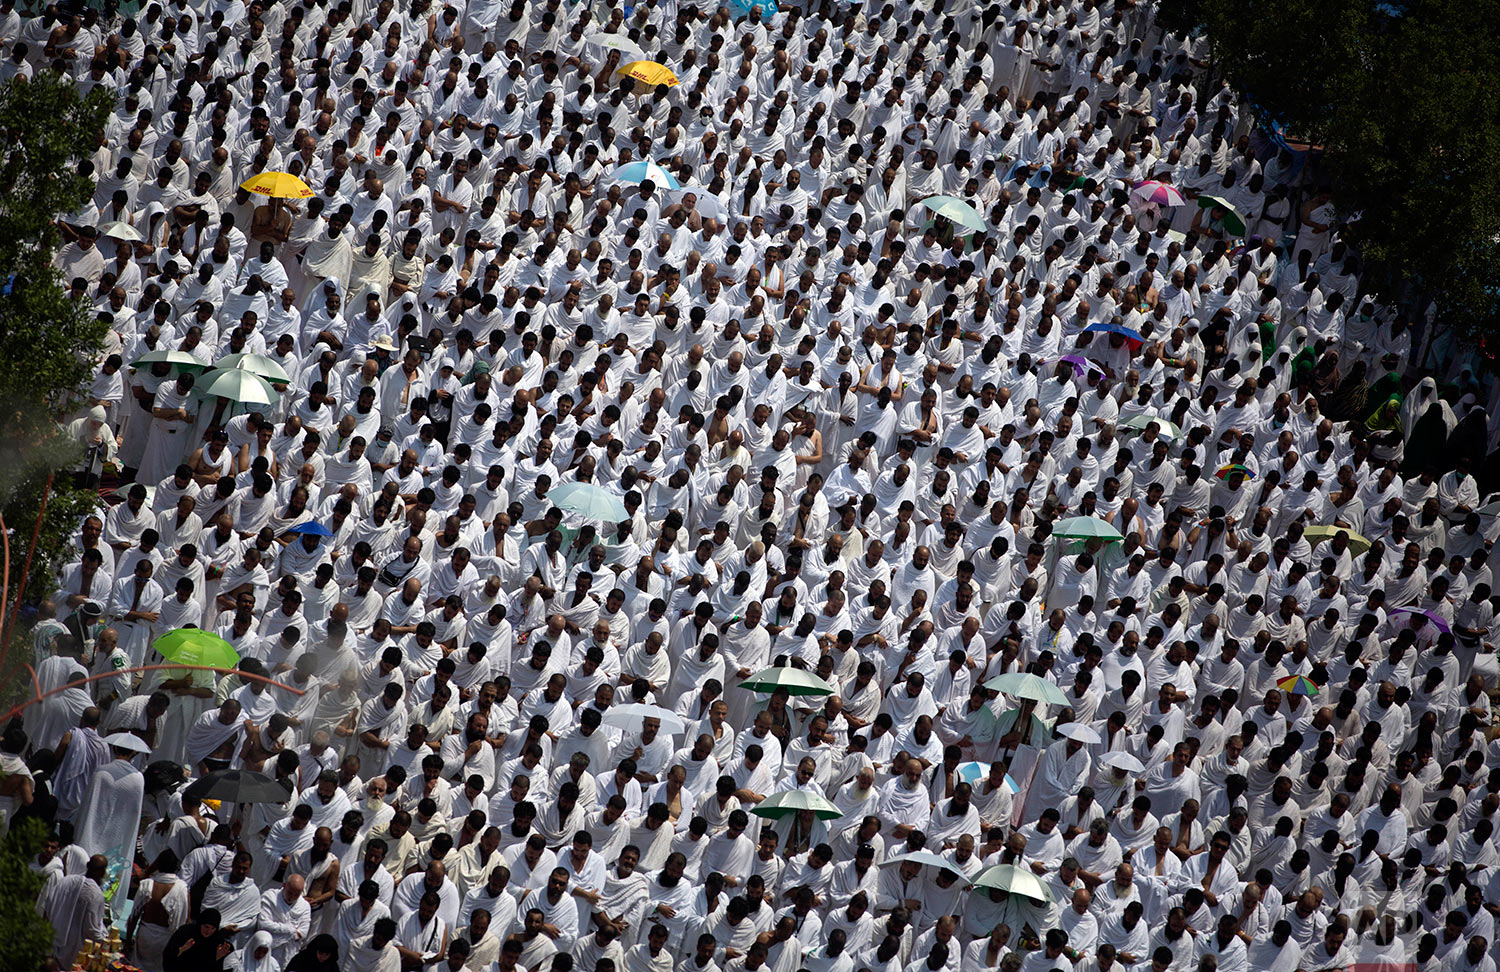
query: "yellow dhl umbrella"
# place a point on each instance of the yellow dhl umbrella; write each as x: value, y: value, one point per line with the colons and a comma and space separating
x: 648, y: 72
x: 281, y: 185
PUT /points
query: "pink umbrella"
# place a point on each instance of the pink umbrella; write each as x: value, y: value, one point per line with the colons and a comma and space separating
x: 1160, y: 193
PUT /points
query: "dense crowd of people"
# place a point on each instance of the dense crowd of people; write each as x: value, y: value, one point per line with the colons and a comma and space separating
x: 896, y: 348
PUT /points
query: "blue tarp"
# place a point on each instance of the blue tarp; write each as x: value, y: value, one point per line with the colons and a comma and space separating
x: 741, y: 8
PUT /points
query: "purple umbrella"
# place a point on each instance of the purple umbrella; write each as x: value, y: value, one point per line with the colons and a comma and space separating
x: 1435, y: 619
x: 1081, y: 365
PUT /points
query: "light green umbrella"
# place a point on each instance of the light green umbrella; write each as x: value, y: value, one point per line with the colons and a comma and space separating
x: 1169, y: 430
x: 586, y: 499
x: 1085, y: 528
x: 955, y: 211
x: 237, y: 385
x: 1014, y: 880
x: 784, y: 804
x: 177, y: 359
x: 258, y: 364
x: 1358, y: 542
x: 794, y: 680
x: 1025, y: 686
x: 194, y: 646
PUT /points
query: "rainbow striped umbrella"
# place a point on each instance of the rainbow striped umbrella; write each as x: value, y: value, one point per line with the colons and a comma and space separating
x: 1234, y: 467
x: 1297, y: 685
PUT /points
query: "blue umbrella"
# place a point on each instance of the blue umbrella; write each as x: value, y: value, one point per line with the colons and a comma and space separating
x: 642, y: 169
x: 973, y: 772
x: 311, y: 528
x: 1105, y: 327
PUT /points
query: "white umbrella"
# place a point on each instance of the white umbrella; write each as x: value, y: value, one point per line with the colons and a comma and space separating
x: 705, y: 203
x: 925, y: 858
x: 128, y: 741
x: 123, y: 232
x: 629, y: 49
x: 633, y: 715
x: 1122, y: 761
x: 1079, y: 732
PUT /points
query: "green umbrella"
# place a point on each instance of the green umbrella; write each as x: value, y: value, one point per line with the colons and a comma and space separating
x: 237, y: 385
x: 586, y: 499
x: 258, y: 364
x: 784, y: 804
x: 1014, y: 880
x: 955, y: 211
x: 194, y: 646
x: 1169, y: 430
x: 1233, y: 221
x: 794, y: 680
x: 1085, y: 528
x: 1025, y: 686
x: 178, y: 359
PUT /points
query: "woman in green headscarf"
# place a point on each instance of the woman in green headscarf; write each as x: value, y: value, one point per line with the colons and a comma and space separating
x: 1383, y: 430
x: 1381, y: 389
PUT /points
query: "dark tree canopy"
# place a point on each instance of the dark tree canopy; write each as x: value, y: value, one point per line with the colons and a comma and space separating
x: 1405, y: 101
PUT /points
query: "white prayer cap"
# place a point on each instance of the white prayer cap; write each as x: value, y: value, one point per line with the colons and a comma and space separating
x: 97, y: 414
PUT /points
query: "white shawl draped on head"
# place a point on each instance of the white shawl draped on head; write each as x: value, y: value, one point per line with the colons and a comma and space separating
x: 245, y: 961
x: 329, y: 256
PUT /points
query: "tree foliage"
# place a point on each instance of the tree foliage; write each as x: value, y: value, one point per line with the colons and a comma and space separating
x: 49, y: 344
x: 26, y: 934
x: 1405, y: 101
